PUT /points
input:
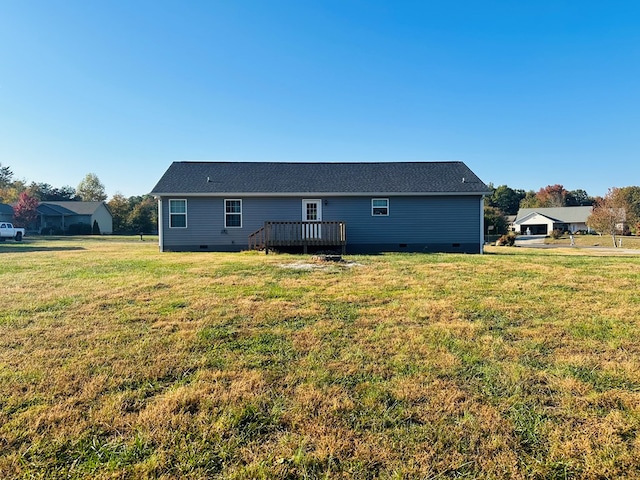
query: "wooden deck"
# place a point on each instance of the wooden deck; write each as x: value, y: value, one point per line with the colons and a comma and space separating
x: 299, y: 234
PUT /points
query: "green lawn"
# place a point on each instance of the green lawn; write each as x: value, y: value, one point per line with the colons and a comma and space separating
x: 117, y: 361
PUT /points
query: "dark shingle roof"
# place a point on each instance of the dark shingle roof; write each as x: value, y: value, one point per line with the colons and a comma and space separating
x: 53, y: 210
x: 289, y: 178
x: 70, y: 207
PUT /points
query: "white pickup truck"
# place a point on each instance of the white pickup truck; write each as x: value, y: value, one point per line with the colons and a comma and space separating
x: 8, y: 231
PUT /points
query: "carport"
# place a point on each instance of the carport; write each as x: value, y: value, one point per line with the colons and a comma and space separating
x: 540, y: 229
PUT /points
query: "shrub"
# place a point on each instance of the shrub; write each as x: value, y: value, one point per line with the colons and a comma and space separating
x: 79, y: 229
x: 51, y: 231
x: 556, y: 234
x: 507, y: 240
x: 96, y: 228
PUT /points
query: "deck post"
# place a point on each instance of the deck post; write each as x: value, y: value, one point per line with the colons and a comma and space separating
x: 266, y: 238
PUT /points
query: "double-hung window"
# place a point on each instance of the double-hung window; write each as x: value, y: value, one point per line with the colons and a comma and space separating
x: 233, y: 213
x: 380, y: 207
x: 177, y: 214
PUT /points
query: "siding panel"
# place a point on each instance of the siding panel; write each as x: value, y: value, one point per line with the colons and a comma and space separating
x: 446, y: 223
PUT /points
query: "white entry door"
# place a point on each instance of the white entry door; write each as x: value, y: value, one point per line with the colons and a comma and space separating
x: 311, y: 212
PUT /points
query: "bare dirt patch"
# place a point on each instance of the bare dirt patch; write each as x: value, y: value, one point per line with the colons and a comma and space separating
x: 320, y: 264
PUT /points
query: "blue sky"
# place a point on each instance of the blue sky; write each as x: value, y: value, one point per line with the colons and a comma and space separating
x: 525, y: 93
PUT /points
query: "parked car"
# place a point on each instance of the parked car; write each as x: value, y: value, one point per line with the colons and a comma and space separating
x: 7, y: 230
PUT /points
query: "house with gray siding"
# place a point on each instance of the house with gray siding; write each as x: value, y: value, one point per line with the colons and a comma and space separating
x: 355, y: 207
x: 66, y: 216
x: 6, y: 213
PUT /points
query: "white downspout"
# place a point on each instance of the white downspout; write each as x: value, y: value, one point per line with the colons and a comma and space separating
x: 160, y: 226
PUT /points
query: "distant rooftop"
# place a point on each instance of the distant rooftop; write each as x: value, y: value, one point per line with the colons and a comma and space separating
x: 69, y: 207
x: 563, y: 214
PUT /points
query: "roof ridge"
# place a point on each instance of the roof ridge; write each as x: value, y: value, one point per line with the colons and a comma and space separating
x: 257, y: 162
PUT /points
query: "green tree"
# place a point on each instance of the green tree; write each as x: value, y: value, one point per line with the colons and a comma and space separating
x: 90, y: 189
x: 144, y: 214
x: 10, y: 189
x: 494, y: 221
x: 608, y: 215
x: 6, y: 176
x: 630, y: 198
x: 11, y: 193
x: 45, y: 192
x: 530, y: 200
x: 506, y: 199
x: 578, y: 198
x: 120, y: 210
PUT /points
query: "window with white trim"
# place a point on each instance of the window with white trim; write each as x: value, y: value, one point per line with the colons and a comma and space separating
x: 177, y: 214
x: 233, y: 213
x: 380, y: 207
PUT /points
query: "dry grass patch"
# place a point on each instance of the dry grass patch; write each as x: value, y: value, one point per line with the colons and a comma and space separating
x: 117, y: 361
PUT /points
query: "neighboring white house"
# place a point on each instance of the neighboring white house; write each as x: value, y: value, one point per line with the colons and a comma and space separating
x: 542, y: 221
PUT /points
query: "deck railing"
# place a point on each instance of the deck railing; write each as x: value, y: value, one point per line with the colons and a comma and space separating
x: 299, y: 234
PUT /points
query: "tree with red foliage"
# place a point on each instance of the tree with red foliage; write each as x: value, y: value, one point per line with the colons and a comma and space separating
x: 25, y: 212
x: 549, y: 196
x: 552, y: 196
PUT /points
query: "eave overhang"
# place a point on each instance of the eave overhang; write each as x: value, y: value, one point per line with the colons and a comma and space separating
x: 320, y: 194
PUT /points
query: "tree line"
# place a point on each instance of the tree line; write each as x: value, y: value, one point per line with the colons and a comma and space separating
x: 136, y: 214
x: 619, y: 206
x: 139, y: 214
